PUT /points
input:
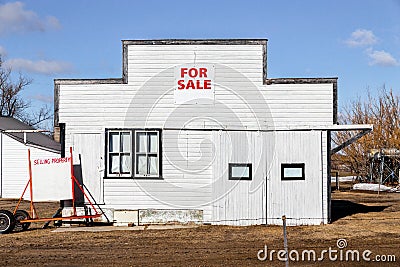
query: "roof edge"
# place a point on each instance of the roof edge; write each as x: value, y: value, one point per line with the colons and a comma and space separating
x: 300, y: 80
x: 351, y: 127
x: 196, y: 42
x: 31, y: 143
x: 88, y: 81
x: 56, y: 151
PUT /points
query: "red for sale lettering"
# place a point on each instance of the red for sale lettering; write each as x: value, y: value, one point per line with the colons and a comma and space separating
x: 194, y: 72
x: 194, y: 79
x: 194, y: 84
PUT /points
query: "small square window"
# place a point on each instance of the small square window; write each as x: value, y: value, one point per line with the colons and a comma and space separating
x: 240, y: 171
x: 292, y: 171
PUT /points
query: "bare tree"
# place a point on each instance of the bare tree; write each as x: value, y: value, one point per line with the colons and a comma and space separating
x: 383, y: 112
x: 36, y: 118
x: 12, y: 104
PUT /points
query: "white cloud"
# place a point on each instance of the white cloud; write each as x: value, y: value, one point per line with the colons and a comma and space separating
x: 381, y: 58
x: 15, y: 18
x: 53, y: 22
x: 361, y: 37
x: 3, y: 51
x: 41, y: 66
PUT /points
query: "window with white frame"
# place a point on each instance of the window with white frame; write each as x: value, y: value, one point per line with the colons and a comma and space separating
x: 147, y: 153
x: 119, y: 153
x: 133, y: 153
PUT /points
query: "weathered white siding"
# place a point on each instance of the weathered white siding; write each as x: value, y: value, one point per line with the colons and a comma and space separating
x: 14, y: 165
x: 91, y: 108
x: 300, y: 200
x: 266, y: 198
x: 242, y: 101
x: 294, y: 106
x: 147, y: 61
x: 195, y: 162
x: 186, y: 184
x: 239, y: 202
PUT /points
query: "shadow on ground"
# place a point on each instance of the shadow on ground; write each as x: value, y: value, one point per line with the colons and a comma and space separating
x: 343, y: 208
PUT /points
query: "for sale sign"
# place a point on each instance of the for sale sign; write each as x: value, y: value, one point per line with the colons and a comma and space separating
x: 194, y: 84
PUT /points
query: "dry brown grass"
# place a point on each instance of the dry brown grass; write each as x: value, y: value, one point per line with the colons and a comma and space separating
x: 365, y: 220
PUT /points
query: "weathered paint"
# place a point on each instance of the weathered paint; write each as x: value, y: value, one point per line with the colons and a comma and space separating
x: 303, y: 202
x: 178, y: 189
x: 237, y: 202
x: 267, y: 117
x: 152, y: 216
x: 126, y: 217
x: 89, y: 149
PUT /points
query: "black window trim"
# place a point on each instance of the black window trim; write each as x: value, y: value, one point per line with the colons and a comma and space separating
x: 119, y: 131
x: 140, y: 153
x: 133, y: 154
x: 248, y: 165
x: 293, y: 165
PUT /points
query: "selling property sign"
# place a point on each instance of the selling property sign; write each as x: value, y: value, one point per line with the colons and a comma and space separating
x: 51, y: 179
x: 194, y: 84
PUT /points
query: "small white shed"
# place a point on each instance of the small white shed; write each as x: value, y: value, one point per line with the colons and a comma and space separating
x: 195, y: 131
x: 16, y: 138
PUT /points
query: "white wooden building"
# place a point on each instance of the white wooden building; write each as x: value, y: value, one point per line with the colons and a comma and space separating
x: 195, y: 131
x: 16, y: 138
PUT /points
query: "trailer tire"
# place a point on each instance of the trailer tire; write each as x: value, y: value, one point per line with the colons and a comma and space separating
x: 19, y: 216
x: 7, y: 221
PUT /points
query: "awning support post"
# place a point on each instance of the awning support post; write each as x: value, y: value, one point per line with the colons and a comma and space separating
x: 350, y: 141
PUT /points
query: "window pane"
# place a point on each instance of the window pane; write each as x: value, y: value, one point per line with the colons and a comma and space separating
x: 240, y: 171
x: 114, y: 164
x: 125, y: 163
x: 153, y: 161
x: 153, y: 137
x: 141, y: 144
x: 141, y: 164
x: 114, y: 142
x: 293, y: 172
x: 126, y: 142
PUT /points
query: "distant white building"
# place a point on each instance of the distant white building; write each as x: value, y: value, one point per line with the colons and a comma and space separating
x: 16, y: 138
x: 195, y: 131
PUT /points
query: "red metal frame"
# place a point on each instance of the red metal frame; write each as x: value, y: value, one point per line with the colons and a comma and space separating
x: 33, y: 213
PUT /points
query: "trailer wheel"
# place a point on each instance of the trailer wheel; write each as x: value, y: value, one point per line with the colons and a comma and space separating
x: 19, y: 216
x: 7, y: 221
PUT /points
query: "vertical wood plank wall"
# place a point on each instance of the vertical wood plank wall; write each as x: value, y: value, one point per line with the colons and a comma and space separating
x: 88, y: 109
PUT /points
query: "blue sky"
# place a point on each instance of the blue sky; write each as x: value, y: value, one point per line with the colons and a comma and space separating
x: 357, y: 41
